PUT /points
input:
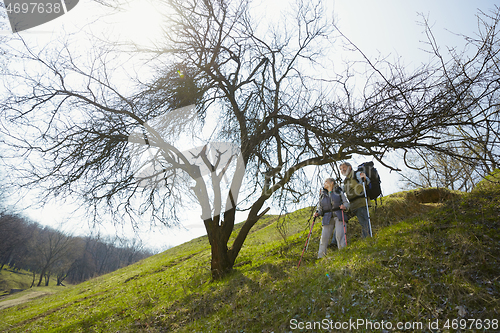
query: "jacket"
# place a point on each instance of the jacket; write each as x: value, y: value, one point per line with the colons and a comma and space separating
x: 354, y: 191
x: 329, y: 203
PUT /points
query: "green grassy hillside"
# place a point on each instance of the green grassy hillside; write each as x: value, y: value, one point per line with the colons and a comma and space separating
x: 12, y: 279
x: 428, y: 264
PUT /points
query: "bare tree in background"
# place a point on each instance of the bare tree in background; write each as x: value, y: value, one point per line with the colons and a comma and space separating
x: 83, y: 131
x: 49, y: 247
x: 439, y: 170
x: 14, y: 235
x: 63, y: 266
x: 469, y: 148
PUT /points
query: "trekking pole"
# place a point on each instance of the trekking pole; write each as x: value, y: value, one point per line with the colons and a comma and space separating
x: 345, y: 234
x: 367, y: 210
x: 307, y: 242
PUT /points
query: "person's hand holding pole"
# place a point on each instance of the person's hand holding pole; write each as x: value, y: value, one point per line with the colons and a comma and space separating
x: 362, y: 175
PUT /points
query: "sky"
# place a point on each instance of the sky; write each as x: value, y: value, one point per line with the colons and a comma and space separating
x: 380, y: 28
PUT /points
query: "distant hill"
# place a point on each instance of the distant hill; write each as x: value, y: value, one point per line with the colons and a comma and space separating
x: 431, y: 265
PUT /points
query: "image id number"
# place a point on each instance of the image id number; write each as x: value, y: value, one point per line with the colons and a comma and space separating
x: 34, y: 7
x: 472, y: 324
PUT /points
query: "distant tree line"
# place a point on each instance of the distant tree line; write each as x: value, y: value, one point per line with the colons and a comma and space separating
x: 47, y: 252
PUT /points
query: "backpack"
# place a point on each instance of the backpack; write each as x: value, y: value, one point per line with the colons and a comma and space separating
x: 373, y: 190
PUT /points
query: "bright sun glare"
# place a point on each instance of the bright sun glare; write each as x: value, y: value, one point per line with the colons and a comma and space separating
x: 140, y: 22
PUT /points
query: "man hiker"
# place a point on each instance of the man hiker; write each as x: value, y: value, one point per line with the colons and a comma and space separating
x: 353, y: 187
x: 331, y: 205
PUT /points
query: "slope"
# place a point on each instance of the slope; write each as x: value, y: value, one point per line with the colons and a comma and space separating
x: 429, y: 264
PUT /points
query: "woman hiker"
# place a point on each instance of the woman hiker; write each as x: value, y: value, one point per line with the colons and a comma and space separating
x: 331, y: 207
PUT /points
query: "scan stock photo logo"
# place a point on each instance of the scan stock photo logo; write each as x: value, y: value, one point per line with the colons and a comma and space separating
x: 26, y: 14
x: 158, y: 161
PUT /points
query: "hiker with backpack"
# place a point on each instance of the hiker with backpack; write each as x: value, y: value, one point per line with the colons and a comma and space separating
x: 360, y: 186
x: 331, y: 207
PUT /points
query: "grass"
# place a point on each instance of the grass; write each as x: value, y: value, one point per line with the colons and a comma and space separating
x: 18, y: 279
x: 427, y: 263
x: 11, y: 279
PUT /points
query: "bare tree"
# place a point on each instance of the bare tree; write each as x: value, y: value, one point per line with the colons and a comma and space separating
x: 51, y: 247
x: 63, y: 266
x: 275, y: 116
x: 439, y: 170
x: 13, y: 237
x: 469, y: 148
x: 27, y: 245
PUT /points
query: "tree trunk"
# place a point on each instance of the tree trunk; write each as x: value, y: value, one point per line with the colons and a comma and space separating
x: 62, y: 276
x: 223, y: 259
x: 60, y: 280
x: 34, y: 278
x: 218, y: 235
x: 41, y: 277
x: 221, y: 263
